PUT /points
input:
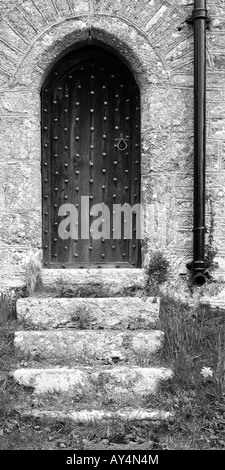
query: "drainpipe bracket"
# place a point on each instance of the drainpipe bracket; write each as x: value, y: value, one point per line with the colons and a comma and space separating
x: 196, y: 266
x: 200, y: 14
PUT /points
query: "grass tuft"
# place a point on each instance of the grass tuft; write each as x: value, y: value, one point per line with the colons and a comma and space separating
x: 194, y: 338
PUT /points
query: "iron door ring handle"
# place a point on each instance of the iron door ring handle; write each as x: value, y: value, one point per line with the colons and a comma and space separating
x: 124, y: 143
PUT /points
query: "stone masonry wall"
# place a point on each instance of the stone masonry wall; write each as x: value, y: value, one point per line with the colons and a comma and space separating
x: 154, y: 39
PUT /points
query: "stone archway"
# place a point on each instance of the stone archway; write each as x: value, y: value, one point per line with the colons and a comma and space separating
x: 149, y: 39
x: 128, y: 43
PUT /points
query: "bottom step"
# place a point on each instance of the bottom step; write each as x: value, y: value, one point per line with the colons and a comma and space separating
x: 84, y: 416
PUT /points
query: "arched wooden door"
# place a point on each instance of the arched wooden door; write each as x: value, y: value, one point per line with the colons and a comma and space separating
x: 90, y: 155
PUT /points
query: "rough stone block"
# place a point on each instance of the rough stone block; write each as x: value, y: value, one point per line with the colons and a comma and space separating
x: 7, y: 65
x: 20, y: 103
x: 62, y: 7
x: 12, y: 38
x: 47, y: 10
x: 217, y: 128
x: 19, y: 137
x: 212, y: 153
x: 5, y: 6
x: 80, y: 6
x: 84, y: 416
x: 33, y: 14
x: 22, y: 228
x: 85, y: 347
x: 118, y: 383
x: 21, y: 25
x: 152, y: 23
x: 216, y: 42
x: 22, y: 187
x: 106, y: 281
x: 214, y: 95
x: 218, y: 18
x: 222, y: 154
x: 219, y: 61
x: 89, y: 313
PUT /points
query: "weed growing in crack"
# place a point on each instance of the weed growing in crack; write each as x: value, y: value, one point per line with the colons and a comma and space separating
x: 33, y: 276
x: 6, y: 306
x: 157, y: 271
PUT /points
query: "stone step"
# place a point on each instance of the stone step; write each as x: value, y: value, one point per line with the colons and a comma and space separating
x: 83, y: 416
x: 89, y: 346
x: 89, y: 313
x: 120, y: 385
x: 100, y: 282
x: 214, y: 302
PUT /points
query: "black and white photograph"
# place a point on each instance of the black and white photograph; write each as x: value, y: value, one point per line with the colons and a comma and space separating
x: 112, y: 232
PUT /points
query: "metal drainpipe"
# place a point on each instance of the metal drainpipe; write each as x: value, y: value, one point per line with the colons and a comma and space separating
x: 199, y: 18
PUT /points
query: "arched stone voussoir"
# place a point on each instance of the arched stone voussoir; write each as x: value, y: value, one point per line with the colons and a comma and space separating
x: 133, y: 46
x: 47, y: 48
x: 58, y: 39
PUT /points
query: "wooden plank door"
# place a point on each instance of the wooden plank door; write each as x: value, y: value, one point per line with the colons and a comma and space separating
x: 90, y: 156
